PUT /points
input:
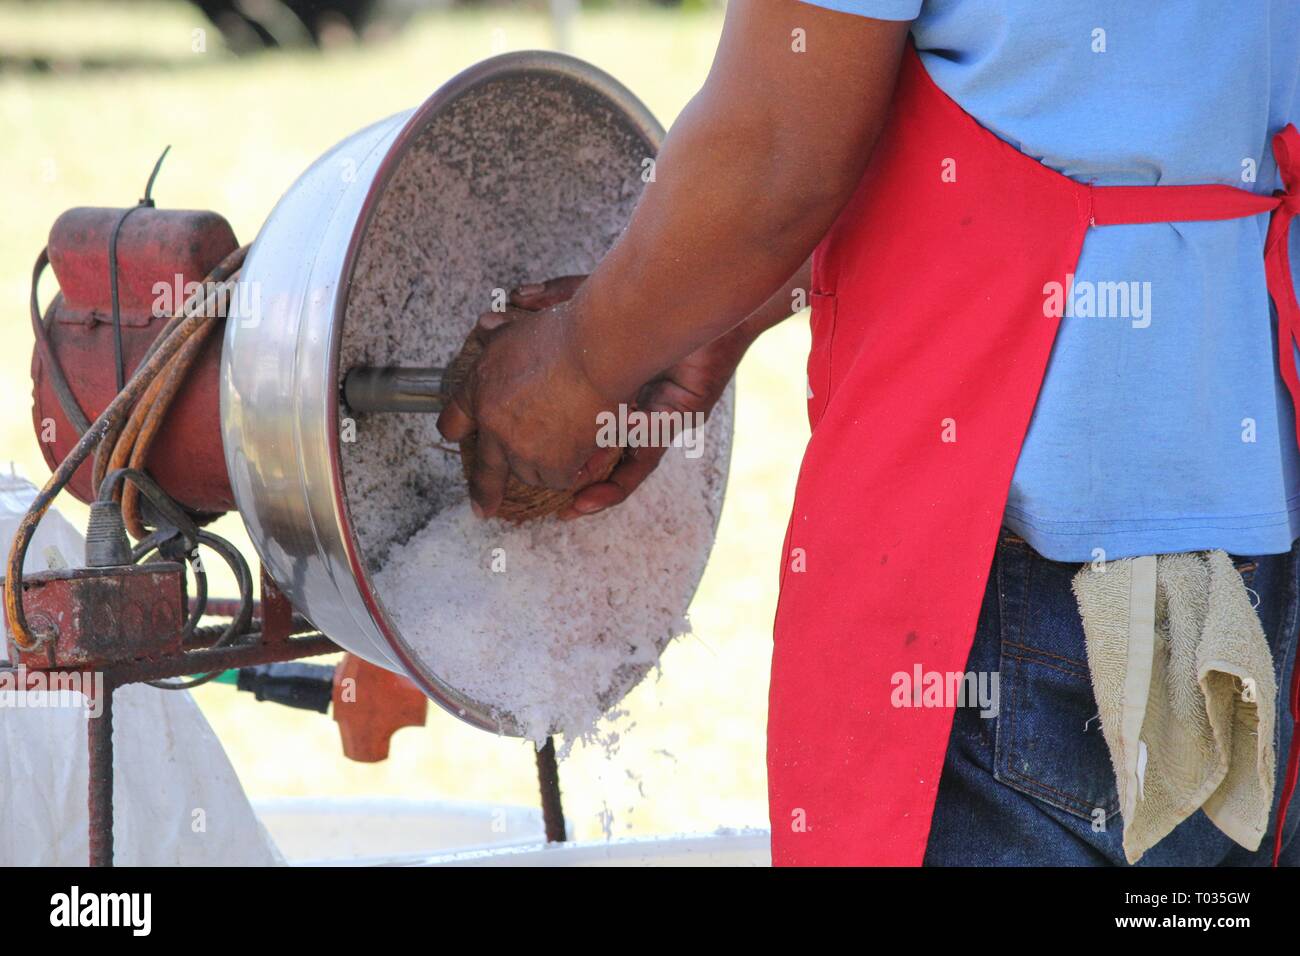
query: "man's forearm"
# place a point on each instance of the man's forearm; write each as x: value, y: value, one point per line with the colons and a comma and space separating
x: 696, y: 255
x: 783, y: 304
x: 748, y: 182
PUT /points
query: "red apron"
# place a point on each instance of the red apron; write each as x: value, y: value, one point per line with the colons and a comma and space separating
x: 930, y: 341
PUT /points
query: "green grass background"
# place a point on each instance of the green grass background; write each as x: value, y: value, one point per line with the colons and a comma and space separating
x: 241, y: 131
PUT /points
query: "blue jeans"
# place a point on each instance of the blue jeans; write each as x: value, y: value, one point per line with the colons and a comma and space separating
x: 1033, y: 785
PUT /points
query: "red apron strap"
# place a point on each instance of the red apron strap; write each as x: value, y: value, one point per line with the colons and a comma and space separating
x: 1128, y: 205
x: 1281, y: 286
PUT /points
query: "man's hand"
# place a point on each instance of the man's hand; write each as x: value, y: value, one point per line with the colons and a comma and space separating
x: 692, y: 386
x: 531, y: 405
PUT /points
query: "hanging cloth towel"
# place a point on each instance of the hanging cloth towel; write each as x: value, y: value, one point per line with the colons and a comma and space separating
x: 1184, y: 682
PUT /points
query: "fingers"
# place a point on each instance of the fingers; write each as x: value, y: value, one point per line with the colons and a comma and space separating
x: 596, y: 465
x: 454, y: 422
x: 593, y: 499
x: 490, y: 321
x: 543, y: 295
x: 525, y: 471
x: 557, y: 478
x: 487, y: 482
x: 636, y: 466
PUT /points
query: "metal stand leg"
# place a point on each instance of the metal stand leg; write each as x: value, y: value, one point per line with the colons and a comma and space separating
x: 99, y: 734
x: 548, y: 780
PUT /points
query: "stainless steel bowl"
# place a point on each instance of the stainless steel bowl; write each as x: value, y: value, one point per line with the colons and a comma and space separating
x: 281, y: 361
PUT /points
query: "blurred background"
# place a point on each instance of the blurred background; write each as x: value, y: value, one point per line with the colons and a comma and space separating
x: 249, y: 93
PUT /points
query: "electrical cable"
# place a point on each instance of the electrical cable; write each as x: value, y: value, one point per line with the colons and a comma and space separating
x: 237, y: 627
x: 62, y: 390
x: 146, y: 202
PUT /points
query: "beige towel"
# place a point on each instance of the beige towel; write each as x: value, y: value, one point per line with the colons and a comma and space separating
x: 1184, y: 682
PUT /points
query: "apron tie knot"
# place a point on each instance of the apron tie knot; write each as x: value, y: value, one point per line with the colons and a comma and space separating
x: 1286, y: 150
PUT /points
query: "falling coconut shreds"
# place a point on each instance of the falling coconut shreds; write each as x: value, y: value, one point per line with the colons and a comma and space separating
x: 515, y: 182
x: 552, y: 622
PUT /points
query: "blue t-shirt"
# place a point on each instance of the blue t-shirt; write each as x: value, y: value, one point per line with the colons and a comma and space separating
x: 1163, y: 424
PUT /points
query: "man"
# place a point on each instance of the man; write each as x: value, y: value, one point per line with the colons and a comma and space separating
x: 949, y: 192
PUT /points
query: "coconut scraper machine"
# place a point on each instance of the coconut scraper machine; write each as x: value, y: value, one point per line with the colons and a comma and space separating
x: 179, y: 376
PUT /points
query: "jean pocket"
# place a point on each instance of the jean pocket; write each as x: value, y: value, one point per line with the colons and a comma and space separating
x: 1049, y: 742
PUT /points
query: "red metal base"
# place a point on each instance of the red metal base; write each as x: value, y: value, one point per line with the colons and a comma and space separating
x: 97, y: 617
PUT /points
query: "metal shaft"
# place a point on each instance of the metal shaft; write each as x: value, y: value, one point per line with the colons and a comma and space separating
x: 393, y: 389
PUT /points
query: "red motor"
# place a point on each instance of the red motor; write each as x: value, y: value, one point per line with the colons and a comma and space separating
x: 160, y: 252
